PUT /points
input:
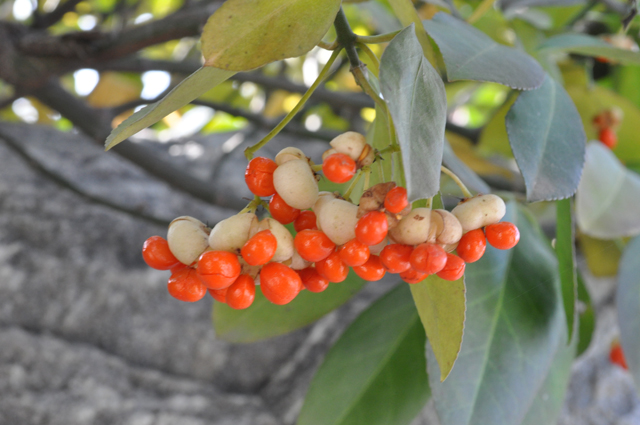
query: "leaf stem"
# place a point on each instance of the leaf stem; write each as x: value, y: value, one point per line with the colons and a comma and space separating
x: 252, y: 206
x: 353, y: 184
x: 377, y: 39
x: 374, y: 59
x: 328, y: 46
x: 367, y: 177
x: 316, y: 167
x: 457, y: 180
x: 480, y: 11
x: 323, y: 74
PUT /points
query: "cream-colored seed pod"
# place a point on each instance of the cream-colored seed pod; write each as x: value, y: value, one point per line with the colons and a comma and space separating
x: 349, y: 143
x: 245, y: 268
x: 450, y: 247
x: 327, y: 153
x: 289, y: 154
x: 479, y: 211
x: 445, y: 228
x: 187, y: 238
x: 338, y: 219
x: 298, y: 263
x: 367, y: 156
x: 284, y: 248
x: 232, y: 233
x: 413, y: 229
x: 296, y: 184
x: 323, y: 199
x: 377, y: 249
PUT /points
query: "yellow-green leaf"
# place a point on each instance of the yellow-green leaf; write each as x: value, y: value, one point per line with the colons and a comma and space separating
x: 602, y: 256
x: 246, y: 34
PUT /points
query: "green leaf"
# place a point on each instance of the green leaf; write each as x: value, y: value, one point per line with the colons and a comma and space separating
x: 265, y: 320
x: 565, y: 251
x: 590, y: 46
x: 608, y: 198
x: 628, y: 304
x: 418, y: 105
x: 441, y: 306
x: 407, y: 14
x: 602, y: 256
x: 246, y: 34
x: 587, y: 315
x: 516, y: 4
x: 376, y: 372
x: 469, y: 54
x: 494, y: 137
x: 466, y: 174
x: 548, y: 141
x: 190, y: 88
x: 514, y: 325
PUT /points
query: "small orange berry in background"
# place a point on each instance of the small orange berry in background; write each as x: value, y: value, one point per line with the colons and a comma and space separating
x: 281, y: 211
x: 218, y: 269
x: 454, y: 269
x: 372, y: 270
x: 305, y: 221
x: 472, y: 246
x: 219, y: 294
x: 279, y: 283
x: 396, y: 257
x: 413, y: 276
x: 616, y: 356
x: 503, y: 235
x: 428, y: 258
x: 157, y: 255
x: 313, y: 245
x: 333, y: 268
x: 259, y: 176
x: 312, y: 280
x: 396, y: 200
x: 354, y: 253
x: 372, y: 228
x: 608, y: 137
x: 185, y: 285
x: 339, y: 168
x: 260, y: 248
x: 241, y: 293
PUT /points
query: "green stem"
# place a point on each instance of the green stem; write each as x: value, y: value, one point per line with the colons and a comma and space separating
x: 328, y: 46
x: 374, y: 59
x: 377, y: 39
x: 389, y: 149
x: 367, y: 177
x: 352, y: 186
x: 252, y: 206
x: 323, y: 74
x: 457, y: 180
x: 347, y: 38
x: 480, y: 11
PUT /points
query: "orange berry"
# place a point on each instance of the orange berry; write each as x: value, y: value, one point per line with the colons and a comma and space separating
x: 339, y: 168
x: 472, y: 246
x: 279, y: 283
x: 396, y: 257
x: 184, y: 285
x: 503, y: 235
x: 241, y: 293
x: 219, y: 295
x: 616, y: 356
x: 305, y: 221
x: 372, y: 270
x: 372, y: 228
x: 608, y: 137
x: 218, y: 269
x: 333, y: 268
x: 157, y: 255
x: 396, y: 200
x: 259, y: 176
x: 313, y: 245
x: 260, y: 249
x: 312, y: 280
x: 413, y: 276
x: 281, y: 211
x: 428, y: 258
x: 354, y: 253
x: 454, y: 269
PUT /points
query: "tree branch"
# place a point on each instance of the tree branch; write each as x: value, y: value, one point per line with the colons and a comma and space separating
x: 44, y: 21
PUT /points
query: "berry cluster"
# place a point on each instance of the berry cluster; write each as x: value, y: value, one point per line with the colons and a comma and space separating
x: 383, y: 234
x: 607, y: 123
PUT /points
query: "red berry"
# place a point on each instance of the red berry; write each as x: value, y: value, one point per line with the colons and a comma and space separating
x: 241, y: 293
x: 413, y: 276
x: 305, y: 221
x: 260, y: 248
x: 218, y: 269
x: 157, y: 255
x: 354, y: 253
x: 312, y: 280
x: 502, y: 235
x: 185, y: 285
x: 428, y: 258
x: 279, y: 283
x: 454, y: 269
x: 396, y: 257
x: 616, y: 356
x: 313, y: 245
x: 608, y: 137
x: 259, y: 176
x: 333, y: 268
x: 372, y: 228
x: 339, y: 168
x: 219, y: 294
x: 281, y: 211
x: 372, y: 270
x: 396, y: 200
x: 472, y: 246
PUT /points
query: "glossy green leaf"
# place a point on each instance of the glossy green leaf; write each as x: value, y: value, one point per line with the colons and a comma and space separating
x: 514, y: 325
x: 441, y: 306
x: 418, y: 104
x: 376, y: 372
x: 590, y: 46
x: 466, y: 174
x: 628, y: 305
x: 548, y: 141
x: 265, y: 320
x: 190, y: 88
x: 608, y: 198
x: 565, y: 251
x: 246, y: 34
x: 469, y: 54
x: 587, y: 316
